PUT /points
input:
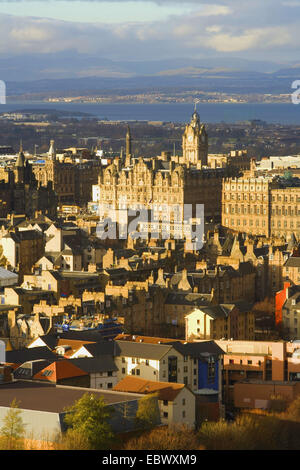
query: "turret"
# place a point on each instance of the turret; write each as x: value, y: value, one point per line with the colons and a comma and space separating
x: 52, y: 151
x: 20, y: 166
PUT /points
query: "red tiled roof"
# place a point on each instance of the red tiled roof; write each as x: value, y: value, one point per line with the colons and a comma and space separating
x: 166, y: 390
x: 146, y: 339
x: 59, y: 370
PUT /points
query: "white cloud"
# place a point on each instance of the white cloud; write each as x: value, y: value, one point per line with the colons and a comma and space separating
x: 213, y: 10
x: 263, y: 38
x: 235, y: 26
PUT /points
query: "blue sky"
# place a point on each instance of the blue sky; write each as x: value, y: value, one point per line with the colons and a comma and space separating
x: 90, y: 11
x: 144, y: 29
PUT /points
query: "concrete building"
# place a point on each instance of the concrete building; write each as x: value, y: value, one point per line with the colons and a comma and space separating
x: 254, y: 394
x: 258, y: 360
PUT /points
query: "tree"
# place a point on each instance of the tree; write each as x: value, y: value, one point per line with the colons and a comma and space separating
x: 13, y: 429
x: 147, y: 415
x: 88, y: 418
x: 293, y: 411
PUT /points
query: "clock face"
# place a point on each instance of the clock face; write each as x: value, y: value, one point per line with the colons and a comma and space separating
x: 190, y: 138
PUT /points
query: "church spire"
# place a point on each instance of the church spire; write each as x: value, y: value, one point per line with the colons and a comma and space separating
x: 21, y: 157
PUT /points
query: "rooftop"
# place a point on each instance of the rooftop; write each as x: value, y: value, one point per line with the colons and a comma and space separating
x: 52, y: 398
x: 166, y: 391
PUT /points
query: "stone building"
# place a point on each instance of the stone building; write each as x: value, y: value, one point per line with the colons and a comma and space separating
x: 72, y: 178
x: 261, y: 205
x: 164, y: 184
x: 22, y: 193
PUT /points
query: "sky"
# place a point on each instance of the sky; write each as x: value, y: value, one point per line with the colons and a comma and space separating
x: 145, y: 29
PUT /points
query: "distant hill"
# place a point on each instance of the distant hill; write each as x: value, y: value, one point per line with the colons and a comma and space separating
x: 61, y: 73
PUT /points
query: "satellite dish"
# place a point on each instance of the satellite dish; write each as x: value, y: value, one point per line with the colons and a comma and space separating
x: 2, y: 352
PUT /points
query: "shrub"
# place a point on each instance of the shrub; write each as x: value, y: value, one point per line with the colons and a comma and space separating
x: 165, y: 438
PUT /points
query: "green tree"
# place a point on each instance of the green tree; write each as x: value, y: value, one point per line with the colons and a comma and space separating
x: 13, y: 429
x: 147, y: 415
x: 88, y: 418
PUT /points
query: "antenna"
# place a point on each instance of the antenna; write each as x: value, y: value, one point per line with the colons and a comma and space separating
x: 196, y: 101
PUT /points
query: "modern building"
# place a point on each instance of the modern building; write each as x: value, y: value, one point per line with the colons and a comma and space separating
x: 43, y: 407
x: 177, y: 403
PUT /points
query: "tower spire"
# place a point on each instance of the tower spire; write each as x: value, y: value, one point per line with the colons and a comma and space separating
x: 128, y: 147
x: 21, y: 157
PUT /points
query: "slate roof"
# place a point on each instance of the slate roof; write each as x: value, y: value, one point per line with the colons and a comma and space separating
x: 19, y: 356
x: 95, y: 364
x: 30, y: 368
x: 215, y: 311
x: 101, y: 348
x: 85, y: 335
x: 179, y: 298
x: 292, y: 262
x: 52, y: 398
x: 49, y: 340
x: 24, y: 235
x: 142, y: 350
x: 6, y: 274
x: 198, y: 349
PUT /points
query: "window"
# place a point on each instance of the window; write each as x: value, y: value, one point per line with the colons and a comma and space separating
x: 147, y: 362
x: 165, y: 402
x: 183, y: 414
x: 137, y: 371
x: 109, y: 385
x: 165, y: 414
x: 249, y: 362
x: 211, y: 371
x: 183, y: 401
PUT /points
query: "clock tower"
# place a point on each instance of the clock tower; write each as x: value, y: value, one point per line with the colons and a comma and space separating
x: 195, y: 142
